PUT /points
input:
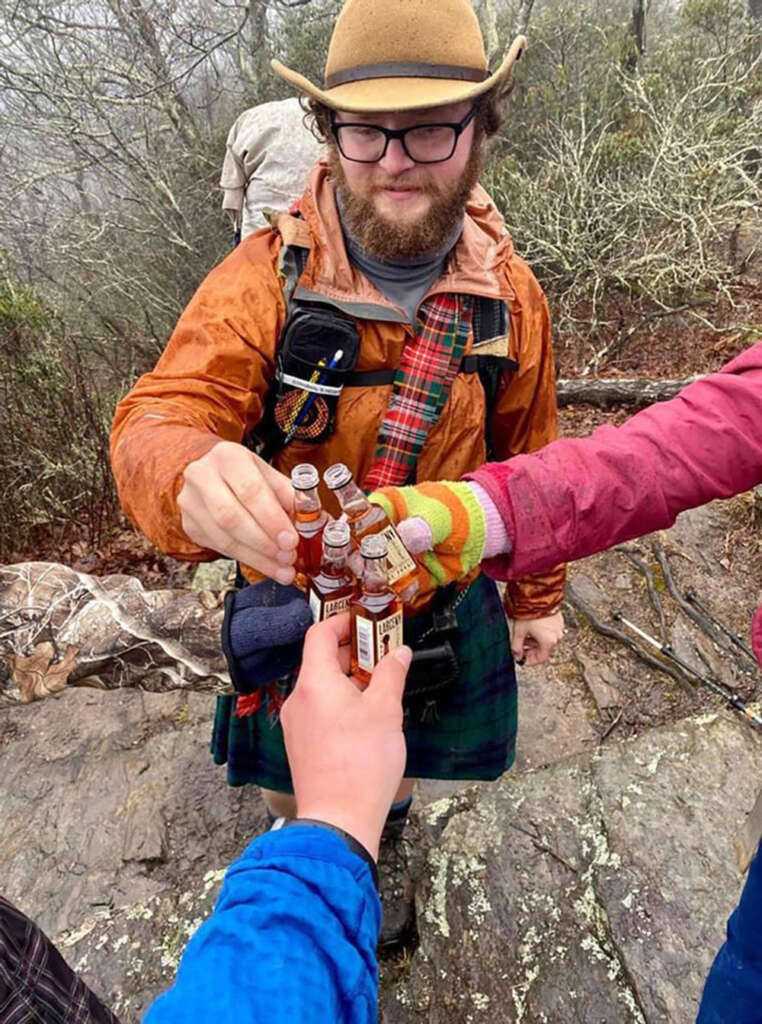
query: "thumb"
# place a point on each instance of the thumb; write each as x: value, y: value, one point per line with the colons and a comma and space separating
x: 416, y: 535
x: 518, y: 636
x: 388, y: 679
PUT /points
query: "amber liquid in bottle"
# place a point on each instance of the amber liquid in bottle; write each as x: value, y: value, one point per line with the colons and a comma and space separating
x: 331, y: 590
x: 365, y: 520
x: 376, y: 612
x: 309, y: 520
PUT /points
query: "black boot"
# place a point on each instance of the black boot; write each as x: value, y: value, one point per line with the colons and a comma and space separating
x: 395, y: 879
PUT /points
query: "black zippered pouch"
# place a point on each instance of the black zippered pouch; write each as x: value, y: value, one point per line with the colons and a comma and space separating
x: 317, y: 353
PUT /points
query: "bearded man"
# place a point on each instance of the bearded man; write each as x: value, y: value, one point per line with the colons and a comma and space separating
x: 396, y: 243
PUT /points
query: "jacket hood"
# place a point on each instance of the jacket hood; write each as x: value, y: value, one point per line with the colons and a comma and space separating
x: 477, y: 264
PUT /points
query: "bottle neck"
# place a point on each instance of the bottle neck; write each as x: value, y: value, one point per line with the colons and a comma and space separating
x: 375, y: 577
x: 352, y: 499
x: 307, y: 503
x: 334, y: 560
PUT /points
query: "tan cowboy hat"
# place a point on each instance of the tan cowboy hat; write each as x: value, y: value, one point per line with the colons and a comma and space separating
x: 404, y: 55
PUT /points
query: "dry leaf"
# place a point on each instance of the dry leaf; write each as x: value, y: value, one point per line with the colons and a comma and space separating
x: 210, y: 599
x: 36, y: 677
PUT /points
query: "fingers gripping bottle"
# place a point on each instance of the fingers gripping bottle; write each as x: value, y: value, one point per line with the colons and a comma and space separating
x: 335, y: 585
x: 376, y: 611
x: 309, y: 520
x: 366, y: 519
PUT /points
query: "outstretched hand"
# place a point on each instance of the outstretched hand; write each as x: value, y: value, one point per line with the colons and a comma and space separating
x: 533, y: 640
x: 236, y: 504
x: 443, y: 523
x: 345, y: 745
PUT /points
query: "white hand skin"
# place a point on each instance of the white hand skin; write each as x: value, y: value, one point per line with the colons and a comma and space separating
x: 236, y: 504
x: 534, y: 639
x: 345, y: 745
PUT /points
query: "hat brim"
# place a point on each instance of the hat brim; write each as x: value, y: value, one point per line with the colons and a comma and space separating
x: 377, y: 95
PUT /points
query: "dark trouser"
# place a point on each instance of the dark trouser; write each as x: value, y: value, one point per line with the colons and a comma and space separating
x: 37, y: 986
x: 733, y: 990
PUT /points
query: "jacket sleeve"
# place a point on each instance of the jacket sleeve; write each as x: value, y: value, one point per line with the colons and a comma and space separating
x: 525, y: 419
x: 208, y: 386
x: 292, y: 938
x: 577, y: 497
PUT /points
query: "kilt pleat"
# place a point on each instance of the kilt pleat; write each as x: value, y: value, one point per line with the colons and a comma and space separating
x: 469, y: 735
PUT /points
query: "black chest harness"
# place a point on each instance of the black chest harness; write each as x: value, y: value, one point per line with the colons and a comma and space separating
x: 315, y: 361
x: 317, y: 354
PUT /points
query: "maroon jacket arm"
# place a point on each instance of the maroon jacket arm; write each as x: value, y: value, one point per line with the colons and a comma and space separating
x: 756, y: 635
x: 576, y: 497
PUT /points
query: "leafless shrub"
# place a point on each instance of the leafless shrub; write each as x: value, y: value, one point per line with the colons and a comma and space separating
x: 643, y: 199
x: 54, y: 423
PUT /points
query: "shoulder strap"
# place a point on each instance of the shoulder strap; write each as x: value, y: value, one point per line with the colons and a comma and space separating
x: 293, y: 260
x: 297, y: 242
x: 490, y: 342
x: 490, y: 356
x: 490, y: 320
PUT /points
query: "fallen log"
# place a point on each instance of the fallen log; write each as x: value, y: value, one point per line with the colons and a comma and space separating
x: 60, y: 627
x: 608, y: 391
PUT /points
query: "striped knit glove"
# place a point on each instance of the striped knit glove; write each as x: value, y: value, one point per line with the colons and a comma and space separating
x: 451, y: 523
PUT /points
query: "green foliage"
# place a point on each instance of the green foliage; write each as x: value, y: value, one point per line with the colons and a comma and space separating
x: 53, y: 426
x: 722, y: 22
x: 20, y: 306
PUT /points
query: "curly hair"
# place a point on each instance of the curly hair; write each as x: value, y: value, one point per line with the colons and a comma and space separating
x: 489, y: 118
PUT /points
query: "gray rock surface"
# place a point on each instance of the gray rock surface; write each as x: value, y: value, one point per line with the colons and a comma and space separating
x: 601, y: 682
x: 594, y: 890
x: 117, y: 828
x: 591, y: 884
x: 591, y: 890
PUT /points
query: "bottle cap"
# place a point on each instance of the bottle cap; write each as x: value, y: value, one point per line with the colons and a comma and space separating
x: 337, y: 476
x: 336, y: 534
x: 304, y: 477
x: 374, y: 546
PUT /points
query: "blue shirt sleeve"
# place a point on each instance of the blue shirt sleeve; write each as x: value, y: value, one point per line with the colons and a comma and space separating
x: 733, y: 989
x: 292, y: 938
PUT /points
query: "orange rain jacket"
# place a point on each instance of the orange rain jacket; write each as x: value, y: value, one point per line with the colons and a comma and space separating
x: 211, y: 382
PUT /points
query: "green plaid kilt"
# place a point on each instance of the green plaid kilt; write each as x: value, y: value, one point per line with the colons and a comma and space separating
x: 470, y: 735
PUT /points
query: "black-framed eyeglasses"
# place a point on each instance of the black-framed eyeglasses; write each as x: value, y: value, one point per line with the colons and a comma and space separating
x: 423, y: 143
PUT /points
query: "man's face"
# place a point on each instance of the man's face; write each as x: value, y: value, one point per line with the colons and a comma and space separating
x: 397, y: 207
x: 398, y: 186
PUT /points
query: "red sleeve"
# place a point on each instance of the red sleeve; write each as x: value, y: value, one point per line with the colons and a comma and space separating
x: 526, y: 418
x: 576, y: 497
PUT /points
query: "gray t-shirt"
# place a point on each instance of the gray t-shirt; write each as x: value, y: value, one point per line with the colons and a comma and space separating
x: 404, y: 283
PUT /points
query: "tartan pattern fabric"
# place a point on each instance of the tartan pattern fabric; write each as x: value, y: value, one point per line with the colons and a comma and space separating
x: 428, y: 366
x: 37, y: 986
x: 472, y: 734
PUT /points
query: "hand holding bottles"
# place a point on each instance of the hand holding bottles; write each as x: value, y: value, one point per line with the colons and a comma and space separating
x: 354, y: 786
x: 233, y: 503
x: 446, y: 518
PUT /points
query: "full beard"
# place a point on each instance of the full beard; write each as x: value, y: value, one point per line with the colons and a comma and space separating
x: 394, y: 241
